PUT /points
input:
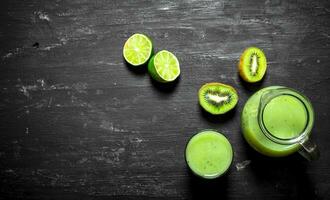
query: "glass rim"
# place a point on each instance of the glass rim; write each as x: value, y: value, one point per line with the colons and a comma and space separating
x: 267, y: 97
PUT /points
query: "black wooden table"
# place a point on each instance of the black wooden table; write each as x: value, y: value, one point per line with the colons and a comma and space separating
x: 77, y: 123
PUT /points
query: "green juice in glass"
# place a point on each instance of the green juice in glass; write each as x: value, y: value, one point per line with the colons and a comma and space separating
x: 209, y: 154
x: 285, y: 116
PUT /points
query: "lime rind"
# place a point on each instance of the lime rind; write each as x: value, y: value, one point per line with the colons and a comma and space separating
x: 137, y: 49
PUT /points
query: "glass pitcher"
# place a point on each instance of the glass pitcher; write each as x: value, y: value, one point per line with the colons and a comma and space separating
x: 277, y: 121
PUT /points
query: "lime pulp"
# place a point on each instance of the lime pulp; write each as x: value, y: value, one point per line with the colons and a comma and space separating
x: 137, y: 49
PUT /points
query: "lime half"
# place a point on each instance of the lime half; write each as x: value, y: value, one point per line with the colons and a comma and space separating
x: 137, y: 49
x: 164, y: 67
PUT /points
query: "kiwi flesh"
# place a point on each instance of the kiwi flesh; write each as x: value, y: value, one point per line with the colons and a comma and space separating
x: 252, y: 65
x: 217, y: 98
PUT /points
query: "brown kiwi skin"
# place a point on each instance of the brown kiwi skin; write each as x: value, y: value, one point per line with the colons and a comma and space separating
x: 240, y: 68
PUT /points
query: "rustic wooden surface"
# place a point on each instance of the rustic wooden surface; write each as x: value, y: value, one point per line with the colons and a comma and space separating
x: 77, y: 123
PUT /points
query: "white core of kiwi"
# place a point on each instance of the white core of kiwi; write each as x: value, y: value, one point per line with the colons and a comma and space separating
x: 216, y: 98
x: 254, y: 64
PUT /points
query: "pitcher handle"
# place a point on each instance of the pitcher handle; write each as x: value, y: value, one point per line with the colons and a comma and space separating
x: 309, y: 149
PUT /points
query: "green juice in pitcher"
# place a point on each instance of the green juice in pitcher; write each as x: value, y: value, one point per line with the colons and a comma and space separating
x: 284, y: 116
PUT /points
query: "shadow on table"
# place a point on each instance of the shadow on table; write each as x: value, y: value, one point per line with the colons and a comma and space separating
x: 137, y: 70
x: 199, y: 188
x: 252, y: 87
x: 165, y: 87
x: 286, y: 175
x: 217, y: 118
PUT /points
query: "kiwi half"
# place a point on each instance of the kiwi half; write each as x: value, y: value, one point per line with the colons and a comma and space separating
x: 252, y: 65
x: 217, y: 98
